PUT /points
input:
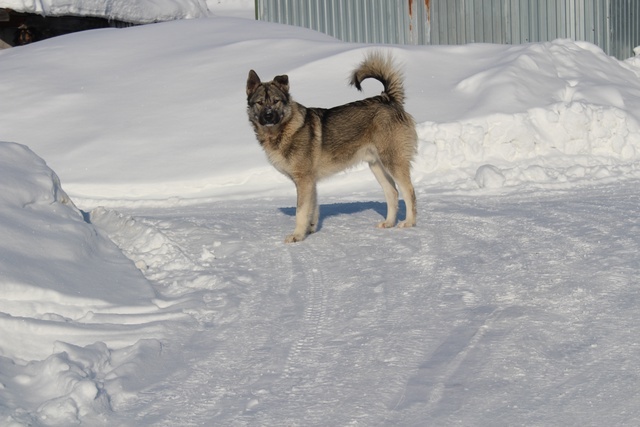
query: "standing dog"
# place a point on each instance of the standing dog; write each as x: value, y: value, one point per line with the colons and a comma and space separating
x: 308, y: 144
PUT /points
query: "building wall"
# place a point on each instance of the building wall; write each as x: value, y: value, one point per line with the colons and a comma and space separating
x: 360, y: 21
x: 614, y: 25
x: 625, y: 27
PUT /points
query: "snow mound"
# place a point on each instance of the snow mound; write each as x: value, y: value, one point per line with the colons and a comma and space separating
x: 564, y: 143
x: 76, y: 385
x: 562, y: 107
x: 156, y: 114
x: 81, y: 304
x: 39, y: 222
x: 538, y: 116
x: 134, y: 11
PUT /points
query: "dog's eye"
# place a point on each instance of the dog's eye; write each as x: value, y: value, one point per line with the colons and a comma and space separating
x: 260, y: 103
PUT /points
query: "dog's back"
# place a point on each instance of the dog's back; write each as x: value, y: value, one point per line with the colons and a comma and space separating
x: 350, y: 131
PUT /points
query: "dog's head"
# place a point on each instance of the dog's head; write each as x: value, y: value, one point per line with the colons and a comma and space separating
x: 268, y: 102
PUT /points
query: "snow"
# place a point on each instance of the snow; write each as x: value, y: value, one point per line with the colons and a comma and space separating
x: 145, y: 281
x: 133, y: 11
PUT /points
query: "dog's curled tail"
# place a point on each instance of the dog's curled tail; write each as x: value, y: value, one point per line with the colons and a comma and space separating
x: 381, y: 67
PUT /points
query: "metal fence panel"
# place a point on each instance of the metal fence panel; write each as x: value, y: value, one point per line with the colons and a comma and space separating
x: 614, y: 25
x: 360, y: 21
x: 625, y: 27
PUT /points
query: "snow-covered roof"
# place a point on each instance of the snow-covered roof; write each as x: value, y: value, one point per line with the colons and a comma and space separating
x: 133, y: 11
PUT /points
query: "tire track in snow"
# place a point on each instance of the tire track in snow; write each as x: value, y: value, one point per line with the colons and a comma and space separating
x: 314, y: 311
x: 438, y: 355
x: 429, y: 245
x: 436, y: 393
x: 302, y: 369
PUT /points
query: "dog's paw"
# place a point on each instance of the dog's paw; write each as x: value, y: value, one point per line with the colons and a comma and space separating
x: 406, y: 224
x: 293, y: 238
x: 385, y: 224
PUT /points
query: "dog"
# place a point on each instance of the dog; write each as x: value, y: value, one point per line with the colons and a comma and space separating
x: 308, y: 144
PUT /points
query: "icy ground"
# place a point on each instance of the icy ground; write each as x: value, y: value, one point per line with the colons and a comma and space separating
x: 145, y: 283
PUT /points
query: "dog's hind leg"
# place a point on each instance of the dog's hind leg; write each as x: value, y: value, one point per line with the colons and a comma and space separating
x: 306, y: 210
x: 390, y: 192
x: 409, y: 195
x: 316, y: 217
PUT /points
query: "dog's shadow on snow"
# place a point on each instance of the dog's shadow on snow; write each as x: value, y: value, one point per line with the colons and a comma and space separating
x: 338, y: 209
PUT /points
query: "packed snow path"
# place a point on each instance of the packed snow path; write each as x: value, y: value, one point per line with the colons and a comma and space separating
x: 496, y: 310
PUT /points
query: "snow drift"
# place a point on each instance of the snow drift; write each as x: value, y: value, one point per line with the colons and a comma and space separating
x: 564, y: 122
x: 79, y: 273
x: 157, y: 112
x: 73, y: 309
x: 133, y: 11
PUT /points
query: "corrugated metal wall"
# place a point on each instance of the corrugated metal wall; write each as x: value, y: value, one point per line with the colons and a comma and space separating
x: 625, y: 27
x: 359, y: 21
x: 614, y: 25
x: 519, y: 21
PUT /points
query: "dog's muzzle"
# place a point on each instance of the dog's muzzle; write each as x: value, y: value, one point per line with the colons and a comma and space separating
x: 269, y: 117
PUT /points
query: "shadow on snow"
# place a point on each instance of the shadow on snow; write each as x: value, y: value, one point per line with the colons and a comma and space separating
x: 337, y: 209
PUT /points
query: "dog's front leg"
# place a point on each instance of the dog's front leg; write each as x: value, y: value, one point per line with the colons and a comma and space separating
x: 306, y: 209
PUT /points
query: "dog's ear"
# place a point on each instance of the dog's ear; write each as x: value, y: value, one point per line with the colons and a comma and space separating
x: 282, y: 82
x: 253, y: 81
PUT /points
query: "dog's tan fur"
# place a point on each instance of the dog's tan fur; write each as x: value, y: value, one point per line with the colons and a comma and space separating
x: 308, y: 144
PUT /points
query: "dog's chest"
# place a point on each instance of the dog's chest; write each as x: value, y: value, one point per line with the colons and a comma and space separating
x: 279, y: 161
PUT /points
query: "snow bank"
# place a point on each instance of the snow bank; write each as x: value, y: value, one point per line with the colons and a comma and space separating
x: 157, y: 113
x: 73, y: 308
x: 39, y: 222
x: 538, y: 115
x: 235, y: 8
x: 566, y: 142
x: 134, y: 11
